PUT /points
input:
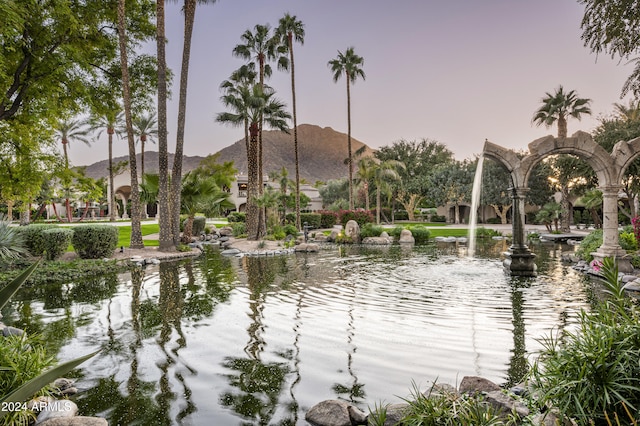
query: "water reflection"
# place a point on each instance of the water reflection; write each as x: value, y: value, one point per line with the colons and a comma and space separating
x: 259, y: 340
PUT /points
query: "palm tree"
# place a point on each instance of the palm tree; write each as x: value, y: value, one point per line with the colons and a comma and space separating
x: 364, y: 176
x: 71, y: 130
x: 290, y: 28
x: 381, y: 172
x: 349, y: 64
x: 251, y: 104
x: 165, y: 238
x: 261, y: 47
x: 136, y: 231
x: 241, y: 78
x: 146, y: 128
x: 67, y: 131
x: 109, y: 122
x: 189, y: 10
x: 558, y: 107
x: 198, y: 193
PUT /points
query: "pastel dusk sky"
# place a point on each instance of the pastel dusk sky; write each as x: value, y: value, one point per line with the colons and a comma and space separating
x: 455, y: 71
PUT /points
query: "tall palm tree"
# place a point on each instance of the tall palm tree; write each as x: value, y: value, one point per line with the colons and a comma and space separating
x: 189, y: 10
x: 165, y: 237
x: 262, y: 47
x: 71, y: 130
x: 558, y: 107
x: 350, y: 65
x: 241, y: 78
x: 109, y: 122
x: 145, y: 127
x: 136, y: 230
x: 251, y: 104
x: 67, y: 131
x: 290, y: 29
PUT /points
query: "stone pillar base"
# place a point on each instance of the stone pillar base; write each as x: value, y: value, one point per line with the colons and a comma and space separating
x: 520, y: 262
x: 623, y: 260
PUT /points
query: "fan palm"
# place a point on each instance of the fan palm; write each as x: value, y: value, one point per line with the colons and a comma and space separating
x: 199, y: 193
x: 145, y: 127
x: 253, y: 104
x: 71, y: 130
x: 350, y: 65
x: 290, y: 29
x: 108, y: 122
x: 558, y: 107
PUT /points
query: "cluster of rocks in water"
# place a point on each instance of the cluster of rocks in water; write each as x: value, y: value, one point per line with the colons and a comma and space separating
x: 631, y: 282
x: 505, y: 402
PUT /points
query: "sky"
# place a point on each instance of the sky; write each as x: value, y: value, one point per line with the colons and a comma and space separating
x: 456, y: 71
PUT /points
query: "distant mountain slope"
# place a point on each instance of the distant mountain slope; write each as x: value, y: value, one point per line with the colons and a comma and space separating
x: 321, y: 151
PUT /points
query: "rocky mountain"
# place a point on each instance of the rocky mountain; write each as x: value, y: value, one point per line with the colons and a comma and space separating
x: 321, y: 152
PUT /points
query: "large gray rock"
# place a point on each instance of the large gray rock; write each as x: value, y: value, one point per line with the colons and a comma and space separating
x: 395, y: 413
x: 406, y: 237
x: 475, y: 384
x: 352, y: 230
x: 332, y: 412
x: 57, y: 409
x: 307, y: 248
x: 505, y: 404
x: 376, y: 241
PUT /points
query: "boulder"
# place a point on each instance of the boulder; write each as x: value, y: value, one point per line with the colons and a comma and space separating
x: 376, y: 241
x: 331, y: 412
x: 352, y: 230
x: 307, y: 248
x: 503, y: 403
x: 406, y: 237
x: 475, y: 384
x: 57, y: 409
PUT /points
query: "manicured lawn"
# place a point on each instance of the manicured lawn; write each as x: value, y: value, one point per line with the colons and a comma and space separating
x: 124, y: 235
x: 448, y: 232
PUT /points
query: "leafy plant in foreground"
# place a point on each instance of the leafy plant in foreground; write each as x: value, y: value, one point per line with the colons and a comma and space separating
x: 592, y: 374
x: 31, y: 387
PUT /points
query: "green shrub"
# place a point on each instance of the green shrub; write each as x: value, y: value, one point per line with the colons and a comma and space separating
x: 395, y: 232
x: 328, y: 219
x: 420, y: 234
x: 199, y: 223
x: 236, y: 217
x: 277, y: 233
x: 239, y: 228
x: 290, y: 218
x: 486, y: 233
x: 361, y: 216
x: 12, y: 244
x: 401, y: 215
x: 589, y: 244
x: 312, y: 219
x: 291, y: 230
x: 628, y: 241
x: 56, y: 241
x: 95, y: 241
x: 370, y: 230
x: 438, y: 218
x: 592, y: 374
x: 494, y: 221
x: 34, y: 238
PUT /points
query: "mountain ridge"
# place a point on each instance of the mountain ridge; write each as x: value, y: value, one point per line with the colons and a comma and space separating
x: 321, y: 151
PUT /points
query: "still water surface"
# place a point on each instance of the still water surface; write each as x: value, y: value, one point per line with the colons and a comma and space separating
x: 258, y: 341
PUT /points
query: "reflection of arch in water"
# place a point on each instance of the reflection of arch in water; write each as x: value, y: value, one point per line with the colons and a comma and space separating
x: 609, y: 168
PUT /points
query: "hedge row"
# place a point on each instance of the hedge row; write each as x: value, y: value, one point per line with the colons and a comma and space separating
x: 89, y: 241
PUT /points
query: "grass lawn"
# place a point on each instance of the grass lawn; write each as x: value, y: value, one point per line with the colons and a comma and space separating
x: 124, y: 235
x: 448, y: 232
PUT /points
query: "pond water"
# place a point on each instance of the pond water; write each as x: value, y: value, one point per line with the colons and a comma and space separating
x: 259, y: 340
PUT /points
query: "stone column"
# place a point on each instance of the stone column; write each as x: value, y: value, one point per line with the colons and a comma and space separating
x: 610, y: 241
x: 519, y: 259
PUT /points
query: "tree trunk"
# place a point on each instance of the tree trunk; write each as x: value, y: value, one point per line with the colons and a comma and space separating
x: 501, y: 212
x: 377, y: 204
x: 349, y: 158
x: 112, y: 195
x: 295, y: 129
x: 565, y: 217
x: 166, y: 243
x: 252, y: 184
x: 136, y: 231
x: 176, y: 183
x: 187, y: 232
x: 562, y: 126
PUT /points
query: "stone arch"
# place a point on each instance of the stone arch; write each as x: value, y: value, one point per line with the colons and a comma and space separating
x: 609, y: 169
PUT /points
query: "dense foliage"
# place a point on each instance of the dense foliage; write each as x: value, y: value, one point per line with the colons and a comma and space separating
x: 56, y: 241
x: 95, y: 241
